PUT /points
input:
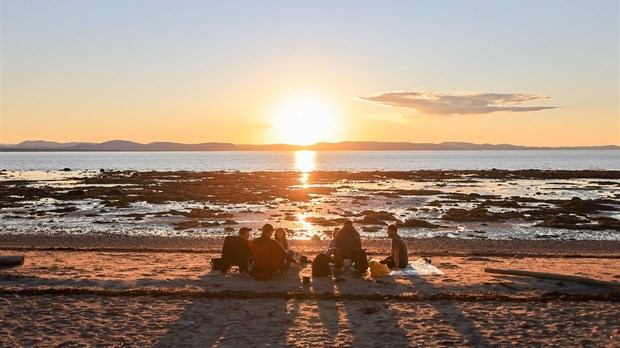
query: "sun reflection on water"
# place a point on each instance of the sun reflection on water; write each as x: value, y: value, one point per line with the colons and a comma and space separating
x: 305, y: 163
x: 307, y: 228
x: 304, y: 179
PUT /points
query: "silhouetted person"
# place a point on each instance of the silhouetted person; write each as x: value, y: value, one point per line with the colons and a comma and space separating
x: 269, y: 256
x: 349, y: 246
x: 280, y: 237
x: 398, y: 252
x: 236, y: 251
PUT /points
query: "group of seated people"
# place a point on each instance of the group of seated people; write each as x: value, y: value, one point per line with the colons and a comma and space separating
x: 263, y: 255
x: 269, y: 255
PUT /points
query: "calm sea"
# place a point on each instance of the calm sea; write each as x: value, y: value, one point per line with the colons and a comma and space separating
x: 310, y: 160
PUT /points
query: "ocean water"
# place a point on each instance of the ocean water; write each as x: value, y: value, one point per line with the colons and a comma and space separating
x: 312, y: 161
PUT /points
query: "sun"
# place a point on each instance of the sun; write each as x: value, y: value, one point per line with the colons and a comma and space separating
x: 304, y: 120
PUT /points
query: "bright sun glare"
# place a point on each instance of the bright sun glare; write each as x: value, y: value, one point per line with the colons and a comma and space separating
x: 304, y: 120
x: 305, y: 163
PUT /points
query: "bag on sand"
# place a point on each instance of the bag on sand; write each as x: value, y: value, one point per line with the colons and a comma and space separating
x: 217, y: 264
x: 361, y: 264
x: 378, y: 269
x: 320, y: 266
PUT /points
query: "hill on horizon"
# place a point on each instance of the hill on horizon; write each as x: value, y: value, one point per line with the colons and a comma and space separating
x: 125, y: 145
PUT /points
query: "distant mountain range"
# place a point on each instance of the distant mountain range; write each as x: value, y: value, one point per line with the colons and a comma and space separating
x: 123, y: 145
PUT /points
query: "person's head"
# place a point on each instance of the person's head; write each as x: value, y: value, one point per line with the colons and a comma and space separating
x: 392, y: 230
x: 280, y: 234
x: 348, y: 223
x: 244, y: 232
x: 335, y: 232
x: 267, y: 230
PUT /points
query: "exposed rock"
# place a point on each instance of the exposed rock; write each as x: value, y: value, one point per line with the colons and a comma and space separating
x: 186, y: 224
x: 578, y: 205
x: 417, y: 223
x: 468, y: 197
x: 562, y: 221
x: 370, y: 229
x: 64, y: 210
x: 114, y: 192
x: 324, y: 222
x: 607, y: 223
x: 76, y: 193
x: 377, y: 217
x: 479, y: 214
x: 418, y: 192
x: 502, y: 204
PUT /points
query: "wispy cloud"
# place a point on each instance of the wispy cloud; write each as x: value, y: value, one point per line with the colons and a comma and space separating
x: 457, y: 103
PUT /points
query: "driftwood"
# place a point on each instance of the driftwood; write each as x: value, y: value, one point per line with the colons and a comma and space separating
x: 553, y: 276
x: 11, y: 260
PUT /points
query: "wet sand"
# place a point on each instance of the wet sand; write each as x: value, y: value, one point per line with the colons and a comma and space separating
x: 437, y: 246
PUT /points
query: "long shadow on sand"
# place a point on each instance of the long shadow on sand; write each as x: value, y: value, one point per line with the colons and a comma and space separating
x: 386, y: 328
x: 453, y: 314
x: 335, y: 322
x: 235, y: 321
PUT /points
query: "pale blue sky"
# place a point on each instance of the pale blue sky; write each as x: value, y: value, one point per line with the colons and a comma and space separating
x: 162, y: 70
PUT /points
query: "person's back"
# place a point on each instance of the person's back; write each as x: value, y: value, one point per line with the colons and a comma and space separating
x: 348, y: 237
x: 269, y: 256
x: 236, y: 251
x: 349, y: 246
x: 262, y: 249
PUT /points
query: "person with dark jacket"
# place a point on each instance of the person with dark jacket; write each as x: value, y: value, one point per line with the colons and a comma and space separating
x: 236, y: 251
x: 349, y: 246
x: 269, y: 256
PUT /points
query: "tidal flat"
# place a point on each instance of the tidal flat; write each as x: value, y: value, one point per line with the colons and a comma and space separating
x: 476, y: 204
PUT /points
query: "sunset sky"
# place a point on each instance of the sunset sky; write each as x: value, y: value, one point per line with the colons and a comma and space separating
x: 521, y: 72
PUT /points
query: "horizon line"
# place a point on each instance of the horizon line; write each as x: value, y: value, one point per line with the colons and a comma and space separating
x: 70, y: 144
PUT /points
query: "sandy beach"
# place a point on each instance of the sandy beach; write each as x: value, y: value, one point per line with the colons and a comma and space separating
x: 103, y: 295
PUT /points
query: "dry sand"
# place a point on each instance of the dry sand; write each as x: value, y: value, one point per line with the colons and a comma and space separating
x: 169, y: 298
x: 74, y: 321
